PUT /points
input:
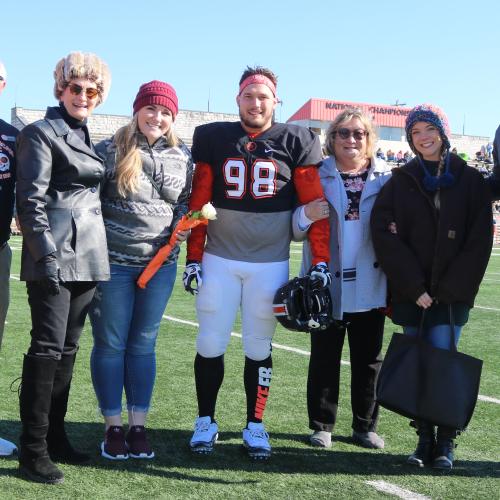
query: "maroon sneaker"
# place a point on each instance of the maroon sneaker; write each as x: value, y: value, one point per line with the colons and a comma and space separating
x: 114, y: 446
x: 138, y: 444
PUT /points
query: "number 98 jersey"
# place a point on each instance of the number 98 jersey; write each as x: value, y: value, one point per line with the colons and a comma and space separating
x: 254, y: 174
x: 252, y: 188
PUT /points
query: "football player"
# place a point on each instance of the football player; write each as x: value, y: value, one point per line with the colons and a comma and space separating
x: 253, y: 171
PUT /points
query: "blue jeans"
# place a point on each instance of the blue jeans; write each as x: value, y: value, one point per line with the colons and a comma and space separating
x: 437, y: 336
x: 125, y: 322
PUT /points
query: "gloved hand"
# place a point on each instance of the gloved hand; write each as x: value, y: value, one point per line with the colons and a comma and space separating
x: 192, y: 273
x: 48, y: 268
x: 321, y: 273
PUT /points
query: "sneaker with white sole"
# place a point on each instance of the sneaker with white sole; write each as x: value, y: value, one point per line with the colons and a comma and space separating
x: 256, y: 441
x: 138, y: 444
x: 205, y: 435
x: 114, y: 446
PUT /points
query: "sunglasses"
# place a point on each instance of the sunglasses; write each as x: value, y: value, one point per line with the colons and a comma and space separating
x: 345, y: 133
x: 2, y: 78
x: 90, y: 93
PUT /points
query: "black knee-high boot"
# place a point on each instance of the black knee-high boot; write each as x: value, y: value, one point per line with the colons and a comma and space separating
x: 34, y: 401
x: 58, y: 445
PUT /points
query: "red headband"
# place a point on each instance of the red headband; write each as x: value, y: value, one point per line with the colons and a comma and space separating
x: 257, y: 78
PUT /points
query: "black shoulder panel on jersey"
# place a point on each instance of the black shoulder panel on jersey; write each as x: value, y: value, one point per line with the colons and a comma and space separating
x: 206, y: 139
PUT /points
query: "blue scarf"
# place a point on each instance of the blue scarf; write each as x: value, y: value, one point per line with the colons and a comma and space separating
x: 432, y: 182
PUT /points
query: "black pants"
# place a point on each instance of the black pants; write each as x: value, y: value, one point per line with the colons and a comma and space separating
x: 365, y: 332
x: 57, y: 320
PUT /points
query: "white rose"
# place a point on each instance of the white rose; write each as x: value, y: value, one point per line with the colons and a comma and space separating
x: 208, y: 211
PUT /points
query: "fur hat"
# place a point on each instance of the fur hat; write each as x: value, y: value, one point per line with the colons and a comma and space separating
x: 430, y: 114
x: 157, y: 92
x: 82, y: 65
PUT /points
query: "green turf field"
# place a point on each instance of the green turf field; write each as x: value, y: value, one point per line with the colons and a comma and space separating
x: 295, y: 470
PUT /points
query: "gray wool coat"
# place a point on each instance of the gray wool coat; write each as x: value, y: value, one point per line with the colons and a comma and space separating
x: 371, y: 290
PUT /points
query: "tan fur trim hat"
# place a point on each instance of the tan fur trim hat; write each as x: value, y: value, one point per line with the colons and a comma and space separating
x: 82, y: 65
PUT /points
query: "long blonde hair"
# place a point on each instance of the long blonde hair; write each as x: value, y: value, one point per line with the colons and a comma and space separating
x: 128, y: 156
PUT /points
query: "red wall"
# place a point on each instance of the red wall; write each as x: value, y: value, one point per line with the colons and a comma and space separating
x: 327, y: 110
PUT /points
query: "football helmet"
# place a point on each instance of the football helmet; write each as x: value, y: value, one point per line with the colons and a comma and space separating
x: 304, y: 305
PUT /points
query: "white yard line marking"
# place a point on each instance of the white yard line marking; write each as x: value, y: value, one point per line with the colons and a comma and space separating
x: 392, y: 489
x: 487, y: 308
x: 487, y: 399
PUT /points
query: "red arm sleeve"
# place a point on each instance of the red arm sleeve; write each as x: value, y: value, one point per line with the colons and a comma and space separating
x: 201, y: 193
x: 308, y: 188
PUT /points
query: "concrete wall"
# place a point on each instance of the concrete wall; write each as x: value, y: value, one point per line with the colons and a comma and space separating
x: 103, y: 126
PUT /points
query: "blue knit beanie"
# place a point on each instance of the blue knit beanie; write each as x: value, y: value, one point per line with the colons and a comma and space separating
x: 431, y: 114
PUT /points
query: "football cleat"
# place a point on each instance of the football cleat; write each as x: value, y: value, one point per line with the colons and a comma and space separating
x: 256, y: 441
x: 205, y: 435
x: 7, y: 448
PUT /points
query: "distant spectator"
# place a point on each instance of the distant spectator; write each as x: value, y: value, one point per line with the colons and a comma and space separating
x: 390, y: 155
x: 407, y: 156
x: 489, y: 150
x: 494, y: 179
x: 380, y: 154
x: 454, y: 151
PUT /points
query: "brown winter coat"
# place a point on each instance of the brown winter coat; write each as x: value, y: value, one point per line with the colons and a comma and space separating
x: 443, y: 253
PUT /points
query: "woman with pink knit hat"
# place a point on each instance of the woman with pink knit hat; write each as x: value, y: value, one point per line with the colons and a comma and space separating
x: 432, y: 233
x: 146, y: 190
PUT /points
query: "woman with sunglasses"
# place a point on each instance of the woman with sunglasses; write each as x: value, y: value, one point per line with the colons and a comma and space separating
x: 146, y: 191
x: 432, y: 232
x: 64, y: 254
x: 351, y: 177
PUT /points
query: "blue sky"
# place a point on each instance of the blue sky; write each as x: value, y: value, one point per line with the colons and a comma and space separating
x: 447, y: 53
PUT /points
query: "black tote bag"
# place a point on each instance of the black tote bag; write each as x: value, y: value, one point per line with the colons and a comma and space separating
x: 426, y: 383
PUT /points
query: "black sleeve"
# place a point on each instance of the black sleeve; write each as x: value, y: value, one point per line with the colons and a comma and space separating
x: 34, y: 170
x: 200, y: 149
x: 310, y: 149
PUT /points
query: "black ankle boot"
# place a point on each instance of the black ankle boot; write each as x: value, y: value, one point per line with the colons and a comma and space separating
x: 34, y: 401
x: 444, y: 450
x: 425, y: 447
x: 58, y: 444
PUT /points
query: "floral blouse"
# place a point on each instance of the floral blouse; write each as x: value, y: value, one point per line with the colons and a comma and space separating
x: 353, y: 184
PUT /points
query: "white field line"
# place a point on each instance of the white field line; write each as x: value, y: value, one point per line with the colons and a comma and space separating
x: 234, y: 334
x: 487, y: 399
x: 396, y: 491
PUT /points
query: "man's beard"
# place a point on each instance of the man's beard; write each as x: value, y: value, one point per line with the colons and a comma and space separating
x: 252, y: 124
